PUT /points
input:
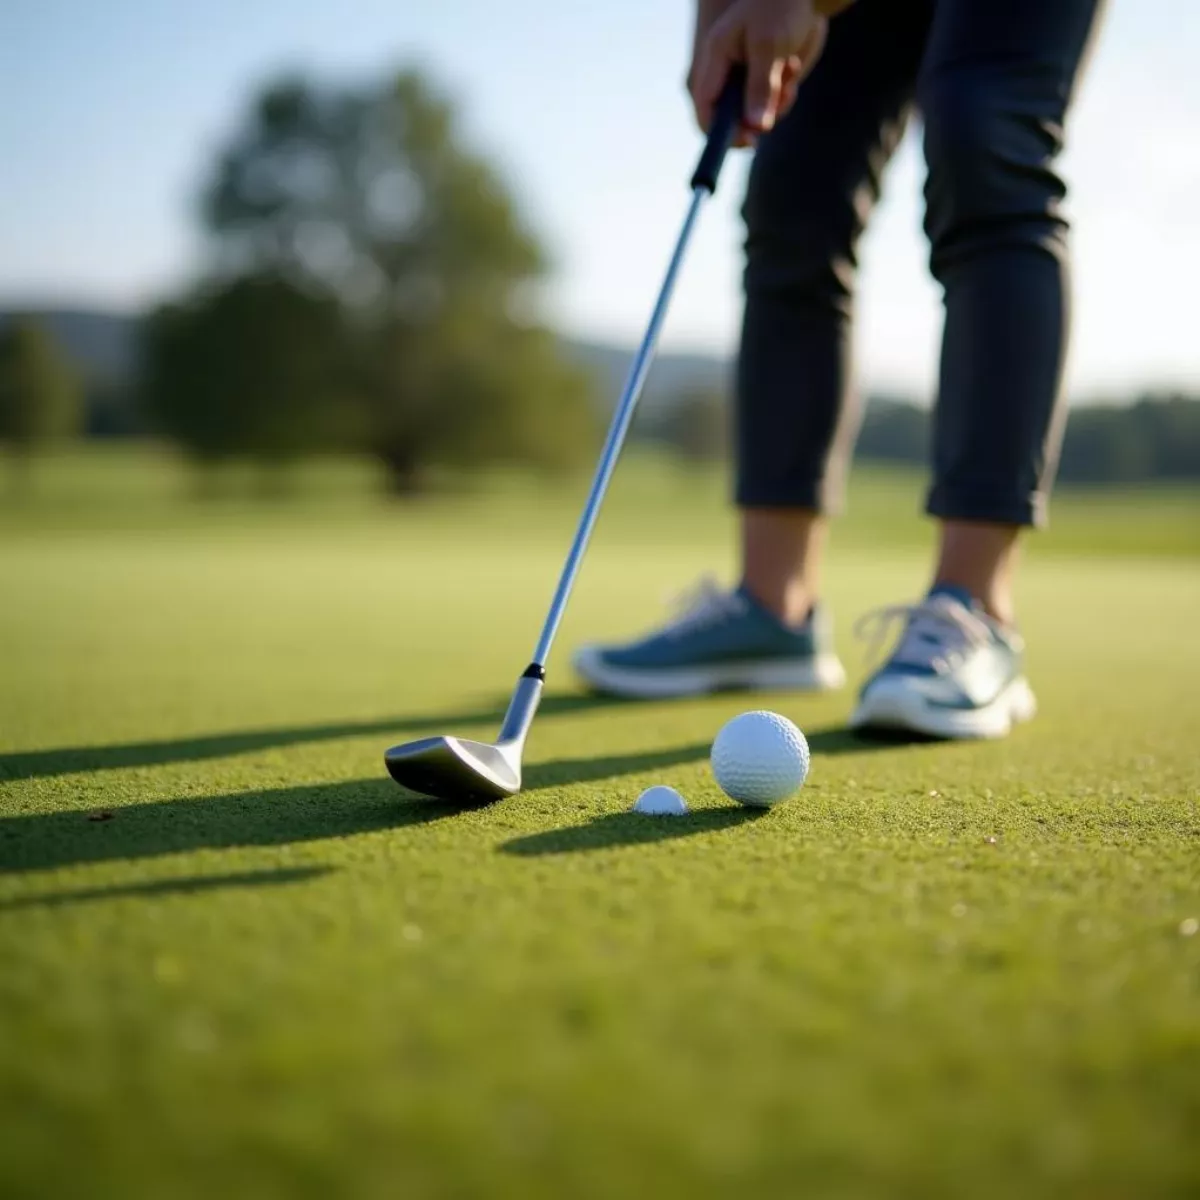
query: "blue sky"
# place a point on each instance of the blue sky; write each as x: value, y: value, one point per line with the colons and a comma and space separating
x: 109, y: 112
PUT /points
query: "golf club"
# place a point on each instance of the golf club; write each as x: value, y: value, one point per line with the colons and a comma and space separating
x: 466, y: 771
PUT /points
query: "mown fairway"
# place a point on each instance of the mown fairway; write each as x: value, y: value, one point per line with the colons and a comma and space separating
x: 236, y: 960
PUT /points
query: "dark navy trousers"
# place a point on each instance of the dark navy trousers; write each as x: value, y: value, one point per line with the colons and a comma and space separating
x: 992, y: 82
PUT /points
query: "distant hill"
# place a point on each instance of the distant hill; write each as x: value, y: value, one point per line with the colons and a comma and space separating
x: 670, y: 373
x: 103, y: 347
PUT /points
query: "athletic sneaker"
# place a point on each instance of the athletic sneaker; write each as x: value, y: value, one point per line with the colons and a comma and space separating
x: 722, y: 640
x: 955, y: 672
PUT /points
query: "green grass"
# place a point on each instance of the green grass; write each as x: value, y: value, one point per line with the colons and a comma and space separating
x: 939, y: 971
x: 652, y: 498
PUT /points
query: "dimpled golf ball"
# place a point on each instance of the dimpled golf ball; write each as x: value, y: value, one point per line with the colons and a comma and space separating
x: 661, y: 801
x: 760, y: 758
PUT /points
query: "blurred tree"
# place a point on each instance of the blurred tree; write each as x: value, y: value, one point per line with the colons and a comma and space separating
x: 370, y: 194
x: 468, y: 391
x: 40, y: 396
x: 251, y: 368
x: 1106, y: 445
x: 1156, y: 437
x: 1172, y: 423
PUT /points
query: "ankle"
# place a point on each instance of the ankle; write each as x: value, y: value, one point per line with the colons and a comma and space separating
x: 1001, y: 610
x: 996, y: 603
x: 980, y: 558
x: 781, y: 560
x: 789, y: 603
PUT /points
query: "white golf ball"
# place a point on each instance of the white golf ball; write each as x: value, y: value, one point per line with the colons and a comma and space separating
x: 760, y: 758
x: 661, y: 801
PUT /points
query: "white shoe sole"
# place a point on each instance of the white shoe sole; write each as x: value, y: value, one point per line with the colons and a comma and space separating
x: 895, y: 704
x: 820, y: 674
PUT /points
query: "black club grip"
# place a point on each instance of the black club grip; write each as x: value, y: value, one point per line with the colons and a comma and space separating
x: 727, y: 118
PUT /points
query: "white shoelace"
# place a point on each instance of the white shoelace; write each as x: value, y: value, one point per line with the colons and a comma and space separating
x: 938, y: 633
x: 701, y: 606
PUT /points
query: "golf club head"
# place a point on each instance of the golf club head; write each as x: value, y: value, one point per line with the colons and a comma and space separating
x: 456, y: 769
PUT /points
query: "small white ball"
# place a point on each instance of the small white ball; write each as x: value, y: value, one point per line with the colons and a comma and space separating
x: 760, y: 758
x: 661, y: 801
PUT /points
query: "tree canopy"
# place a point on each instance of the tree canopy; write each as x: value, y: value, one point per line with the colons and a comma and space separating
x: 357, y: 217
x: 251, y: 368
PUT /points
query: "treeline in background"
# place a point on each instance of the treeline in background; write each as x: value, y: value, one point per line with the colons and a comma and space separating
x: 1155, y: 436
x: 370, y: 287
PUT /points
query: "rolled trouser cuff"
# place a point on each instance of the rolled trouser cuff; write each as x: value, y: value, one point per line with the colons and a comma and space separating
x: 993, y: 508
x: 812, y: 497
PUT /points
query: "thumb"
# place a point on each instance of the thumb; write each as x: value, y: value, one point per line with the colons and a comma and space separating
x: 763, y: 85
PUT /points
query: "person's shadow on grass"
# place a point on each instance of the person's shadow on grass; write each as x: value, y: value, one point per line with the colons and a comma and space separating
x: 281, y: 816
x: 67, y: 760
x: 274, y: 817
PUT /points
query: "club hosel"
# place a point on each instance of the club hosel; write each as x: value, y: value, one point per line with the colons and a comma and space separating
x: 523, y: 705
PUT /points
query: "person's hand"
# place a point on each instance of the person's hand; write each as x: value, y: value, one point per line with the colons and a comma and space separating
x: 778, y: 40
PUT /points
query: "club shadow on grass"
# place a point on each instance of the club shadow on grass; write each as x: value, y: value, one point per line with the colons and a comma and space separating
x: 180, y: 885
x: 66, y: 760
x: 276, y: 817
x: 626, y: 829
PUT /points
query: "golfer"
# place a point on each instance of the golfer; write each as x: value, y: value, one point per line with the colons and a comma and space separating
x: 831, y: 89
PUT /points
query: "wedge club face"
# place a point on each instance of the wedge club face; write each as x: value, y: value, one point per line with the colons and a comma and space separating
x: 457, y: 769
x: 464, y: 771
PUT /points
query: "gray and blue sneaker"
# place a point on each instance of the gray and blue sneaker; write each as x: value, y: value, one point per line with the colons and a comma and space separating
x: 722, y: 640
x: 954, y: 673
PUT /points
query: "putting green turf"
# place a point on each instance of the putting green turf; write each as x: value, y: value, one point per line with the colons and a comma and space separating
x: 235, y: 959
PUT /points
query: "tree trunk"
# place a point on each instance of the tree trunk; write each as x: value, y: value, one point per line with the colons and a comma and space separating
x: 406, y: 475
x: 207, y: 480
x: 20, y: 472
